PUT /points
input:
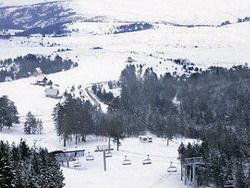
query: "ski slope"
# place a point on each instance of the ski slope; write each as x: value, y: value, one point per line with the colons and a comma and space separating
x: 102, y: 55
x: 91, y: 173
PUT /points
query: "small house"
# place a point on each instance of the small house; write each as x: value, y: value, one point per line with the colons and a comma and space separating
x: 52, y: 93
x: 41, y: 80
x: 146, y: 139
x: 68, y: 155
x: 37, y: 72
x: 130, y: 60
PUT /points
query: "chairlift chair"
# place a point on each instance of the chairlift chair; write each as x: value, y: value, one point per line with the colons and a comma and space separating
x: 77, y: 164
x: 126, y: 161
x: 172, y: 168
x: 147, y: 161
x: 229, y: 182
x: 108, y: 154
x: 89, y: 157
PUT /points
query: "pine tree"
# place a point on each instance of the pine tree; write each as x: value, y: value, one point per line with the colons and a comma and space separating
x: 240, y: 177
x: 248, y: 178
x: 24, y: 150
x: 30, y: 124
x: 39, y: 128
x: 50, y: 171
x: 217, y: 170
x: 181, y: 151
x: 116, y: 129
x: 6, y: 170
x: 6, y: 173
x: 8, y: 113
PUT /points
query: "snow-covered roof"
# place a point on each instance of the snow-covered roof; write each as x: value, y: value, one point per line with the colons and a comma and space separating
x: 38, y: 70
x: 40, y: 78
x: 8, y: 78
x: 52, y: 92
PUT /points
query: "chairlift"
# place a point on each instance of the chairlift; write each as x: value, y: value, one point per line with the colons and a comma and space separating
x: 108, y: 154
x: 229, y: 182
x: 147, y: 161
x: 126, y: 161
x: 89, y: 157
x: 172, y: 168
x: 77, y: 164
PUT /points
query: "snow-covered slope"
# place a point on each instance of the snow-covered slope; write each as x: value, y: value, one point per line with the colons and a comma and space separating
x: 91, y: 174
x: 205, y: 12
x: 21, y: 2
x: 102, y: 53
x: 178, y: 11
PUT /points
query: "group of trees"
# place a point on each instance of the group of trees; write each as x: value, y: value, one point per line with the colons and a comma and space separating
x: 226, y: 158
x: 24, y: 66
x: 75, y: 119
x: 32, y: 125
x: 8, y: 113
x: 105, y: 97
x: 24, y: 167
x: 146, y: 102
x: 9, y: 116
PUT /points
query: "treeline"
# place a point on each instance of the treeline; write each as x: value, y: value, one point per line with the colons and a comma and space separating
x: 189, y: 104
x: 213, y: 106
x: 25, y: 66
x: 105, y: 97
x: 24, y: 167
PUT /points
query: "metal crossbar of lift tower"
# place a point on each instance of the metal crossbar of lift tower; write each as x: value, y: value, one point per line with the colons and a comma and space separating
x: 101, y: 148
x: 194, y: 160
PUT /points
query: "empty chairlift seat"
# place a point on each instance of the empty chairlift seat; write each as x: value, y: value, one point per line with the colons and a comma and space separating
x: 108, y: 154
x: 77, y: 164
x: 147, y: 161
x: 126, y: 161
x: 229, y: 182
x: 90, y: 157
x: 172, y: 168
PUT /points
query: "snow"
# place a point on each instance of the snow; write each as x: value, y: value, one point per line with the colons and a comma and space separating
x: 208, y: 12
x: 205, y: 46
x: 176, y: 11
x: 92, y: 175
x: 21, y: 2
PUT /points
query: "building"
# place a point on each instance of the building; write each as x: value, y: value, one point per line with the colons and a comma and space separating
x: 68, y: 155
x: 37, y: 72
x: 41, y: 80
x: 130, y: 60
x: 52, y: 93
x: 146, y: 139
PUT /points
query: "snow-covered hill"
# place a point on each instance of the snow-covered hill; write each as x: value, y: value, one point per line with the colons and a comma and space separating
x: 22, y: 2
x: 206, y: 12
x: 103, y: 35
